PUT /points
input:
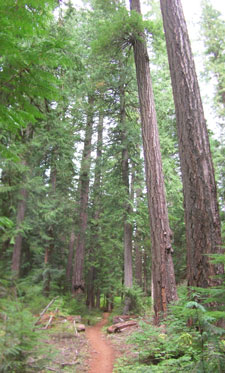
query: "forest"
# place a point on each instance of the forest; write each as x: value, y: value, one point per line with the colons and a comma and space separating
x: 112, y: 185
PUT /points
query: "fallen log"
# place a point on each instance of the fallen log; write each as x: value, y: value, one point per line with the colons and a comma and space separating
x: 116, y: 328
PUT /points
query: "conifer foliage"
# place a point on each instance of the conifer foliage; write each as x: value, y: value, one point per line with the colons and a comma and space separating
x: 82, y: 173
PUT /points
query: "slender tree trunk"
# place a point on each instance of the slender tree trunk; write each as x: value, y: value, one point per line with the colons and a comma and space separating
x: 145, y: 275
x: 162, y: 264
x: 78, y: 280
x: 98, y: 299
x: 128, y: 229
x: 16, y: 258
x: 109, y: 302
x: 18, y: 240
x: 137, y: 178
x: 94, y: 250
x: 138, y: 248
x: 138, y: 259
x: 70, y: 257
x: 200, y: 201
x: 90, y: 302
x: 50, y: 246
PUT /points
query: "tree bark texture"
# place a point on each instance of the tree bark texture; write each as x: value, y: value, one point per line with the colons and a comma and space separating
x: 162, y: 264
x: 78, y: 280
x: 200, y: 200
x: 16, y: 258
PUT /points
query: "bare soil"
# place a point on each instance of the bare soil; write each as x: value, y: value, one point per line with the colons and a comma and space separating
x: 91, y: 352
x: 103, y: 353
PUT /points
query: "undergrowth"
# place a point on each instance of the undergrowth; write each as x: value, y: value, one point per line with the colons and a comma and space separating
x: 177, y: 347
x: 23, y: 347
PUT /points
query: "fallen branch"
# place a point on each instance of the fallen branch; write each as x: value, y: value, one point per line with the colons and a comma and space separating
x: 49, y: 322
x: 73, y: 363
x: 122, y: 318
x: 44, y: 310
x: 74, y: 324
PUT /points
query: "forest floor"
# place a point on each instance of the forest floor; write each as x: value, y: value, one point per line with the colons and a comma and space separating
x: 92, y: 351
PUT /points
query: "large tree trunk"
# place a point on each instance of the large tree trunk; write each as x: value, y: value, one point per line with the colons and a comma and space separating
x: 162, y: 265
x: 200, y: 200
x: 16, y: 258
x: 78, y: 269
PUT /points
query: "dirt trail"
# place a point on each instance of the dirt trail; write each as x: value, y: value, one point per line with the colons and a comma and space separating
x: 102, y: 354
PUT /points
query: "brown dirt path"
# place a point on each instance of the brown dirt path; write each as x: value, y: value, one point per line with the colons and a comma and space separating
x: 102, y: 352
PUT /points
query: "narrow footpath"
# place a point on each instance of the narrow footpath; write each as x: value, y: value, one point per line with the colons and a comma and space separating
x: 102, y: 352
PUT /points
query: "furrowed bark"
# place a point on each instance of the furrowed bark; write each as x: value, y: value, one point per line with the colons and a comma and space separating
x: 200, y: 197
x: 162, y: 265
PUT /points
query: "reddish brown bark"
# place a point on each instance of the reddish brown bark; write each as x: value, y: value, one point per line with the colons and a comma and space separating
x: 162, y: 265
x: 78, y: 280
x: 200, y: 200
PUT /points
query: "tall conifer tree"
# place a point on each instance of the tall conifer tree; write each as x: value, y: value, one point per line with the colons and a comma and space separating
x: 200, y: 200
x: 164, y: 287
